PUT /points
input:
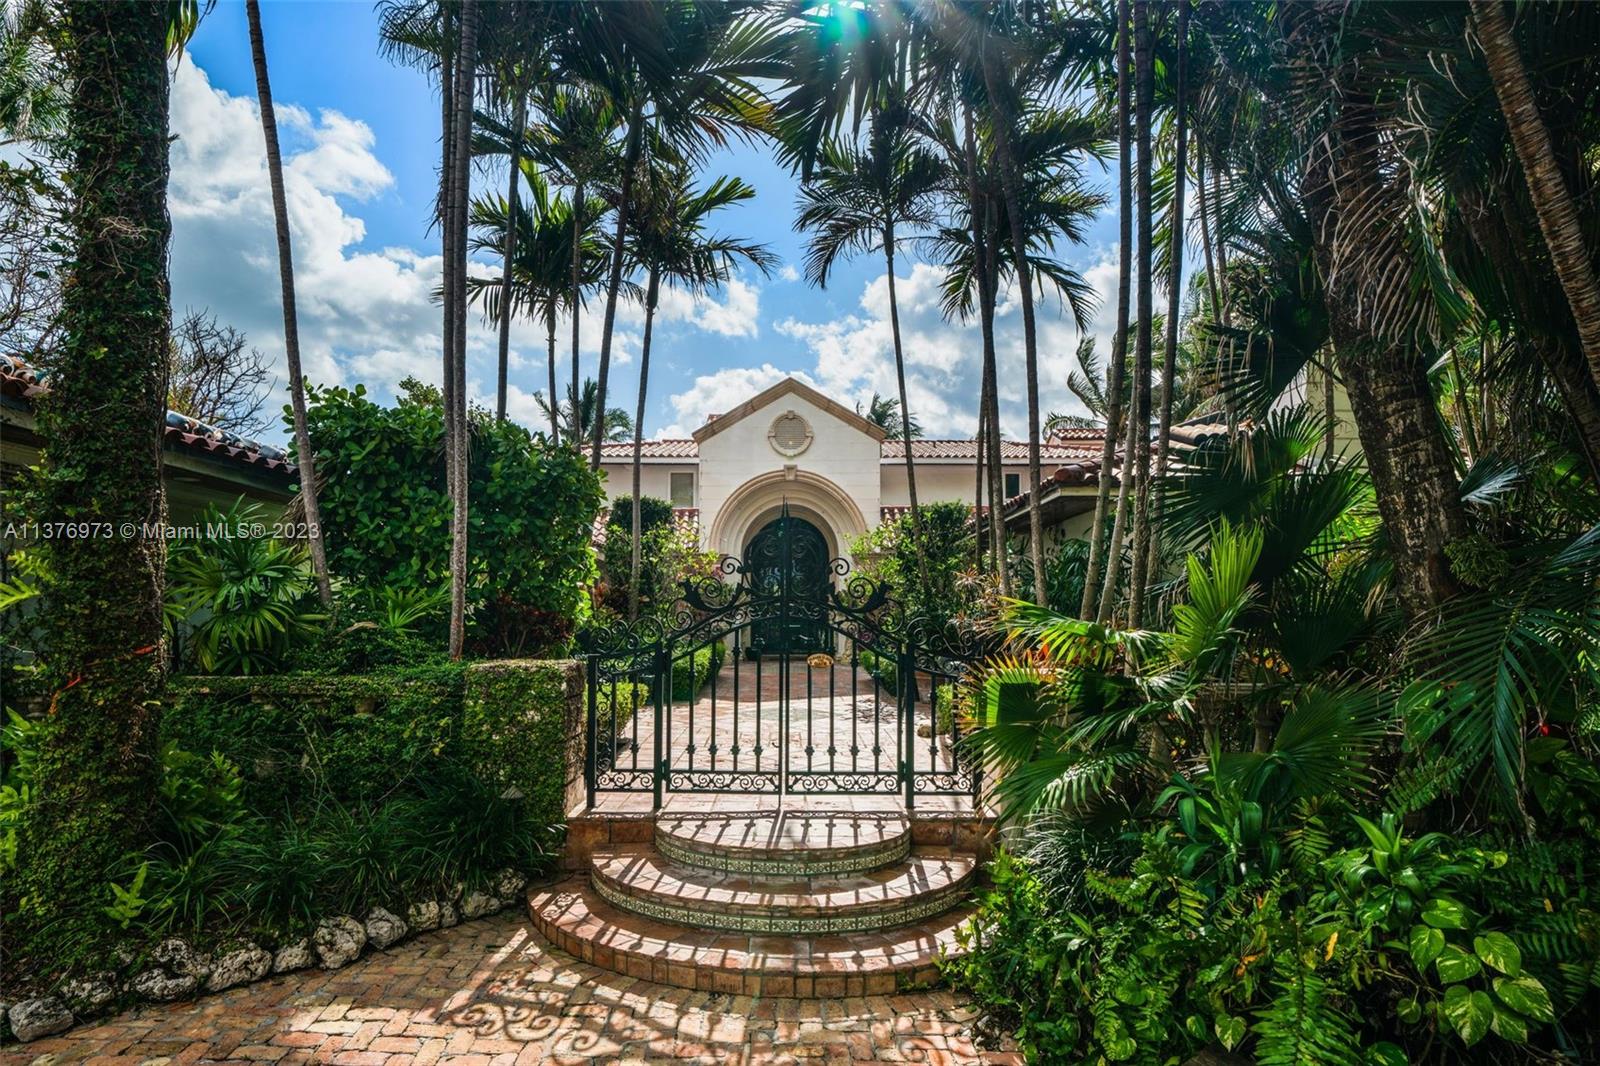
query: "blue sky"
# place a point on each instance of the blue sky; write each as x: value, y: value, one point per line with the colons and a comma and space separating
x: 360, y: 138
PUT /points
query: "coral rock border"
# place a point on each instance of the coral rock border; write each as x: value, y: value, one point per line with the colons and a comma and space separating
x: 180, y: 971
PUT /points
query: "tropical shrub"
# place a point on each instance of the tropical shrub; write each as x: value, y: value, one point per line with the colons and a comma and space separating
x: 244, y: 600
x: 385, y: 513
x: 930, y: 577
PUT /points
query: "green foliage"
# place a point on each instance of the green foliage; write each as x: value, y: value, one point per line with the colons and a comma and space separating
x: 1374, y: 949
x: 247, y: 600
x: 691, y: 672
x: 927, y: 576
x: 884, y: 669
x: 669, y: 555
x: 385, y: 513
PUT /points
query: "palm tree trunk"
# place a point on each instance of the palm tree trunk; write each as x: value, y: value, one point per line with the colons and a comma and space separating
x: 1144, y: 92
x: 447, y: 174
x: 461, y: 133
x: 1099, y: 553
x: 103, y: 418
x: 630, y: 162
x: 652, y: 292
x: 550, y: 341
x: 978, y: 516
x: 1205, y: 234
x: 905, y: 409
x: 511, y: 246
x: 575, y: 436
x: 291, y: 329
x: 1169, y: 357
x: 987, y: 296
x: 1552, y: 201
x: 1011, y: 185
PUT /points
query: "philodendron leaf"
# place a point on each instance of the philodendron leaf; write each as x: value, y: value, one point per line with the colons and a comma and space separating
x: 1426, y: 944
x: 1230, y: 1030
x: 1457, y: 965
x: 1499, y: 951
x: 1445, y: 914
x: 1469, y: 1013
x: 1525, y: 995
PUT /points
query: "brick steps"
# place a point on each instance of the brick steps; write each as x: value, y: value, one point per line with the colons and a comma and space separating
x: 637, y: 878
x: 788, y: 844
x: 572, y: 916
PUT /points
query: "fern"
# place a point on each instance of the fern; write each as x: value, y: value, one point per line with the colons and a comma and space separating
x: 1301, y: 1026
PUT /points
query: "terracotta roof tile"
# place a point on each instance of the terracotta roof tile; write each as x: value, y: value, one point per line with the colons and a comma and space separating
x: 670, y: 448
x: 1011, y: 451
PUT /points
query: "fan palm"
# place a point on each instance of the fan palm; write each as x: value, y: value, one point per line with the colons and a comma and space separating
x: 579, y: 418
x: 884, y: 412
x: 674, y: 249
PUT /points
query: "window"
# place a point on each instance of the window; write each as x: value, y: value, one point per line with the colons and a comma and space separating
x: 790, y: 434
x: 1013, y: 485
x: 682, y: 489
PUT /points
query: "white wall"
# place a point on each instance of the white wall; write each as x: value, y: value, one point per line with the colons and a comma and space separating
x: 939, y: 481
x: 739, y: 452
x: 655, y: 479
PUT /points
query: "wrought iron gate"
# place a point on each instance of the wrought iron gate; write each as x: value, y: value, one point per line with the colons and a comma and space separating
x: 783, y: 673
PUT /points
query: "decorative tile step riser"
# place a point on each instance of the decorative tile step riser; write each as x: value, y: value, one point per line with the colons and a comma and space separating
x: 794, y: 864
x: 582, y: 924
x: 741, y: 920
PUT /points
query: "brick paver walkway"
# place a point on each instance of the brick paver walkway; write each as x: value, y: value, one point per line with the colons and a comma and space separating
x: 492, y: 993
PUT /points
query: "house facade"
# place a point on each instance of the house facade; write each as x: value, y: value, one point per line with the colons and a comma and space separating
x: 792, y: 446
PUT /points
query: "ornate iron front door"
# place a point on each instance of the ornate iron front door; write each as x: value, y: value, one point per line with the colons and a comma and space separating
x: 788, y: 562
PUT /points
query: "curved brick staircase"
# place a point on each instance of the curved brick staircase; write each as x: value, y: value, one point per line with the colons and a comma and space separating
x: 798, y: 903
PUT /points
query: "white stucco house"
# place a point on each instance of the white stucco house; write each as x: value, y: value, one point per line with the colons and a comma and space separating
x: 790, y: 444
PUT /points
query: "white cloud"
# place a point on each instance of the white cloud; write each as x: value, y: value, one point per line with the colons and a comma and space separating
x: 787, y: 272
x: 365, y: 314
x: 712, y: 394
x: 855, y: 354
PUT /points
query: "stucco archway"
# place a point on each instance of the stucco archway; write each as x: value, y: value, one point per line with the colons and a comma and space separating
x: 759, y: 500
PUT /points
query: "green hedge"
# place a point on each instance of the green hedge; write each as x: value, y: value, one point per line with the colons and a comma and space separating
x: 885, y: 669
x: 690, y: 673
x: 298, y: 738
x: 620, y: 700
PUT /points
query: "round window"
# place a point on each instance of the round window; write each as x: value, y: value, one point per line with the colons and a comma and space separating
x: 790, y: 435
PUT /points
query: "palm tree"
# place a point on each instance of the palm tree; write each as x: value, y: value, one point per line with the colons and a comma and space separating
x: 1552, y: 200
x: 884, y: 412
x: 540, y: 269
x: 618, y: 426
x: 1139, y: 424
x: 672, y: 246
x: 291, y: 328
x: 573, y: 140
x: 1169, y: 362
x: 693, y: 88
x: 863, y: 199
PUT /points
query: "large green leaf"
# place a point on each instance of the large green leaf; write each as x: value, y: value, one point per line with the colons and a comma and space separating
x: 1499, y: 951
x: 1469, y: 1013
x: 1526, y: 996
x: 1445, y: 914
x: 1456, y: 965
x: 1426, y: 945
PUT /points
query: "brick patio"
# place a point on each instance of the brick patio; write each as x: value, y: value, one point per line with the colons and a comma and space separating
x: 493, y: 993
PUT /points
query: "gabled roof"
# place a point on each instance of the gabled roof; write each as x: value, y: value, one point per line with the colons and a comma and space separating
x: 788, y: 387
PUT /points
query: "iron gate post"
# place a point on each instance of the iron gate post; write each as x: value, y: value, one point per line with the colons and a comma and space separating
x: 908, y: 714
x: 591, y: 739
x: 663, y: 689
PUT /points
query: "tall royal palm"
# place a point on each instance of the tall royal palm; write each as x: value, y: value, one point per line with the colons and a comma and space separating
x: 291, y: 327
x: 574, y: 141
x: 672, y: 246
x: 539, y: 280
x: 865, y: 198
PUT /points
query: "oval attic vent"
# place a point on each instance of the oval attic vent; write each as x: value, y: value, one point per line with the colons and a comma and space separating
x: 790, y: 435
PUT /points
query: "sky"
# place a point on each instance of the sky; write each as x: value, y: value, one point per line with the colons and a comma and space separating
x: 360, y: 137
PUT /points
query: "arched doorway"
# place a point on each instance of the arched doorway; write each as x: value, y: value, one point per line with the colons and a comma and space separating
x: 788, y: 559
